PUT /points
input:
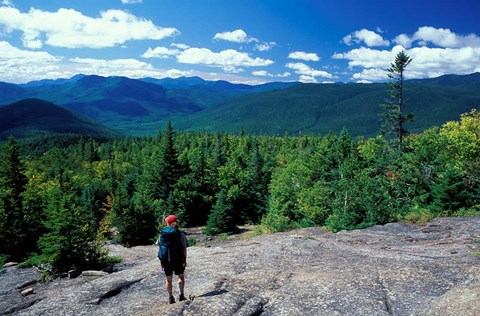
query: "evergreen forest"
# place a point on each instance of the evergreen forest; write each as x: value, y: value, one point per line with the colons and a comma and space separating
x: 61, y: 197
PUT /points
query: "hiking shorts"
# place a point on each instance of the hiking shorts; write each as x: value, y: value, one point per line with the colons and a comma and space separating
x: 170, y: 267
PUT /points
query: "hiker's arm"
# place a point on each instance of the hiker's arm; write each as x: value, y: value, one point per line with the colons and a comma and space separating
x: 185, y: 245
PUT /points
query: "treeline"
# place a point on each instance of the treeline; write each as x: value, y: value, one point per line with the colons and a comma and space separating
x: 59, y: 204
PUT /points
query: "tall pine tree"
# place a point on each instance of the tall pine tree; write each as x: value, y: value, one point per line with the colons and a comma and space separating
x: 163, y: 170
x: 12, y: 185
x: 222, y: 218
x: 393, y: 119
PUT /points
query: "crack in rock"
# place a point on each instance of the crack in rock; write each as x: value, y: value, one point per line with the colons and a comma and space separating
x: 22, y: 306
x: 114, y: 290
x: 255, y: 306
x: 385, y: 298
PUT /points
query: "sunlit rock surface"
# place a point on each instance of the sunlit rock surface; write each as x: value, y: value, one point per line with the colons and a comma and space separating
x: 395, y: 269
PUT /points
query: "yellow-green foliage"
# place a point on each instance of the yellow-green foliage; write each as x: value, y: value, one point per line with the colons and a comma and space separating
x: 464, y: 136
x: 223, y: 237
x: 106, y: 223
x: 113, y: 259
x: 418, y: 215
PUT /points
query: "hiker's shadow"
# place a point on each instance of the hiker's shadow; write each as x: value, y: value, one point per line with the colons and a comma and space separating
x: 214, y: 293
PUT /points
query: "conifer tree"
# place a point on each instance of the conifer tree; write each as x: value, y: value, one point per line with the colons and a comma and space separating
x: 133, y: 216
x: 69, y: 240
x: 12, y: 185
x: 257, y: 186
x: 393, y: 119
x: 169, y: 166
x: 221, y: 219
x: 12, y: 169
x: 163, y: 171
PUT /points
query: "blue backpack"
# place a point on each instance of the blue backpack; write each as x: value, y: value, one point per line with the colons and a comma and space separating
x: 170, y: 245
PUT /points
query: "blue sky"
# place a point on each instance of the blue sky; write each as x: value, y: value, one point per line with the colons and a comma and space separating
x: 242, y: 41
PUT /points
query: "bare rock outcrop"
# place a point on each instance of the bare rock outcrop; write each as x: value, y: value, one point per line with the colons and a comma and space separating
x: 394, y: 269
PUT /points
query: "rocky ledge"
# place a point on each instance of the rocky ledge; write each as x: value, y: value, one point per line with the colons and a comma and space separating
x: 394, y: 269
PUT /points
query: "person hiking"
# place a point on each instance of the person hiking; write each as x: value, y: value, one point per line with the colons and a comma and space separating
x: 173, y: 256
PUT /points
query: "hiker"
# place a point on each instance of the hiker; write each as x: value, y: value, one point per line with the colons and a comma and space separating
x: 173, y: 256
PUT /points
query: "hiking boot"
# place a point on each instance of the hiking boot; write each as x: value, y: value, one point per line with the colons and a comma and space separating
x: 182, y: 297
x: 171, y: 299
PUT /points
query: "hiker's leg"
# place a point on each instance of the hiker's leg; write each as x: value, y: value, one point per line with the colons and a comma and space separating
x: 181, y: 283
x: 168, y: 284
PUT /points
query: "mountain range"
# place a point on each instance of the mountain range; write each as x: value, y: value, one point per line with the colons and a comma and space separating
x: 141, y: 106
x: 35, y: 117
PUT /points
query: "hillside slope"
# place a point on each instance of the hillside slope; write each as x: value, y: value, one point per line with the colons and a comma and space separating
x: 33, y: 117
x: 134, y: 106
x: 142, y: 106
x: 328, y: 108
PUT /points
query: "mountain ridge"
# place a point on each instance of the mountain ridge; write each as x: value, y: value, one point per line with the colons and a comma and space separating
x: 141, y: 106
x: 323, y: 109
x: 33, y: 117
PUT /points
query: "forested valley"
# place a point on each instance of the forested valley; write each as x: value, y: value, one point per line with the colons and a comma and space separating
x: 62, y: 197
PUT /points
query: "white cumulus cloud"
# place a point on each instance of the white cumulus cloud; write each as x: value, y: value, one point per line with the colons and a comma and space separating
x: 160, y: 52
x: 440, y: 37
x: 369, y: 74
x: 237, y: 36
x: 118, y: 67
x: 427, y: 62
x: 368, y: 57
x: 70, y: 28
x: 19, y: 66
x: 228, y: 59
x: 264, y: 73
x: 307, y: 79
x: 304, y: 56
x: 403, y: 40
x: 265, y: 47
x: 130, y: 68
x: 180, y: 45
x: 432, y: 62
x: 305, y: 70
x: 368, y: 37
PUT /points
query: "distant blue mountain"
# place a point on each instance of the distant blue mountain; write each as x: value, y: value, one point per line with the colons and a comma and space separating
x: 124, y: 104
x: 470, y: 81
x: 141, y: 106
x: 46, y: 82
x: 176, y: 83
x: 10, y: 92
x: 191, y: 82
x: 33, y: 117
x: 207, y: 93
x: 329, y: 108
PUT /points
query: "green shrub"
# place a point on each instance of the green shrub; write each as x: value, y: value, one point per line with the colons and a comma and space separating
x: 418, y: 215
x: 223, y: 237
x: 275, y: 222
x: 31, y: 261
x: 192, y: 241
x: 473, y: 211
x: 256, y: 231
x: 2, y: 262
x: 113, y: 259
x: 261, y: 230
x: 46, y: 275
